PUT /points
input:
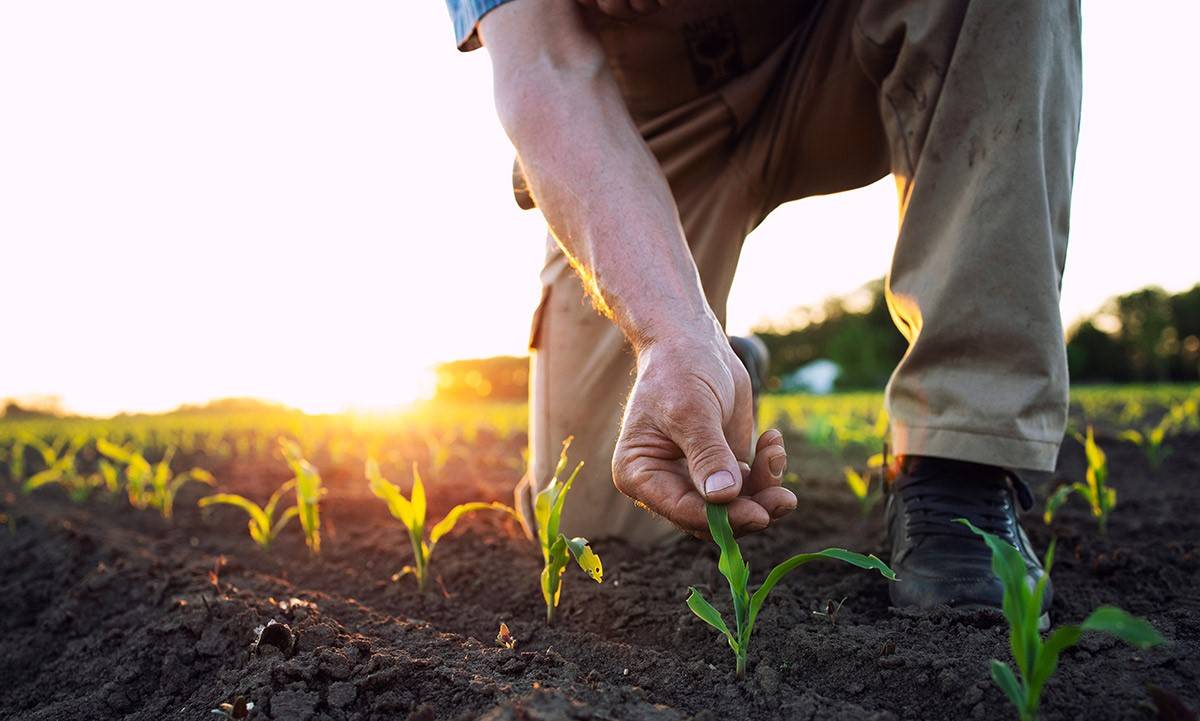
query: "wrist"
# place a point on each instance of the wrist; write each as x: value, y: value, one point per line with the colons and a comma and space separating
x: 686, y: 335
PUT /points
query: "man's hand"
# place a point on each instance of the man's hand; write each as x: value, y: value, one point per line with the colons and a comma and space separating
x: 687, y: 438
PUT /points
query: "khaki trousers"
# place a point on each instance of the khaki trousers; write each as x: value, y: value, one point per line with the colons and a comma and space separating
x: 973, y: 106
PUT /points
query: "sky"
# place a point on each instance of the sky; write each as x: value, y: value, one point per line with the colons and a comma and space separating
x: 310, y: 202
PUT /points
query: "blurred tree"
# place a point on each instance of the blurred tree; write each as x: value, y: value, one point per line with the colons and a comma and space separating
x: 1146, y: 335
x: 1095, y: 356
x: 862, y: 340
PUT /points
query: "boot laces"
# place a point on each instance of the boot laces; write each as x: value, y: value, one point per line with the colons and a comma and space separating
x: 932, y: 502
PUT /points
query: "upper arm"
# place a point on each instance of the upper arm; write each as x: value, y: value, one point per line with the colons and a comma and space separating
x: 531, y: 35
x: 542, y: 51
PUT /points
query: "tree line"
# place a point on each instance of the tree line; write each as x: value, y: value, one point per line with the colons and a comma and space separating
x: 1147, y: 336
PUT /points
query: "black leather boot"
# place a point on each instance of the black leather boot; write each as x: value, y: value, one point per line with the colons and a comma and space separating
x: 939, y: 561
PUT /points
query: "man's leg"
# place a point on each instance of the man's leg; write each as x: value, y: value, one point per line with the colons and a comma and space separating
x: 975, y: 108
x: 981, y: 104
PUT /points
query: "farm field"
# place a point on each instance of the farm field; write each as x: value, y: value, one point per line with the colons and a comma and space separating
x: 111, y: 610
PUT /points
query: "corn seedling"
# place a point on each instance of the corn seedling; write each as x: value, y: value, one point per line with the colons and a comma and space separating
x: 557, y: 549
x: 860, y: 484
x: 1151, y: 441
x: 505, y: 638
x: 1036, y: 659
x: 308, y: 493
x: 63, y: 473
x: 264, y: 529
x: 746, y: 606
x: 1185, y: 415
x: 831, y: 611
x: 411, y: 512
x: 1096, y: 491
x: 16, y: 461
x: 151, y: 485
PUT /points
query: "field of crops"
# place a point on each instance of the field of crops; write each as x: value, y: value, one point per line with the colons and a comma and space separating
x: 272, y: 565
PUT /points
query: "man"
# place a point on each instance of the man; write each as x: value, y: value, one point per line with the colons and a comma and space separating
x: 655, y: 135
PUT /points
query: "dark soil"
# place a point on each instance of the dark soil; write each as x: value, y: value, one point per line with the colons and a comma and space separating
x: 109, y: 612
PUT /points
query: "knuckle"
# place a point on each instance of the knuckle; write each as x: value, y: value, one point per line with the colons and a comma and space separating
x: 707, y: 456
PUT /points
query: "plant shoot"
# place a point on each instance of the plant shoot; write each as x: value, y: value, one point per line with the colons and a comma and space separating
x: 557, y: 549
x: 746, y: 606
x: 411, y: 512
x: 1037, y: 659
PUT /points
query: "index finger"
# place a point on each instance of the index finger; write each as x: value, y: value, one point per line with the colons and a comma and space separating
x: 665, y: 489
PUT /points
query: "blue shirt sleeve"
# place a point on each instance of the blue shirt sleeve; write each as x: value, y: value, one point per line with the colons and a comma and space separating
x: 466, y: 14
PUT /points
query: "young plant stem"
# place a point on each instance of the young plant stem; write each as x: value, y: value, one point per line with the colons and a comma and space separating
x: 736, y: 571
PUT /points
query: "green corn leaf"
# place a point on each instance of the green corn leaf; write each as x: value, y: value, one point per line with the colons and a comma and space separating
x: 273, y: 501
x: 542, y: 503
x: 549, y: 583
x: 546, y: 500
x: 162, y: 474
x: 859, y: 486
x: 308, y: 482
x: 251, y: 508
x: 258, y: 535
x: 417, y: 498
x: 587, y: 559
x: 42, y: 478
x: 730, y: 564
x: 206, y: 478
x: 1009, y: 567
x: 560, y: 500
x: 705, y: 612
x: 1059, y: 640
x: 1095, y: 455
x: 113, y: 451
x: 310, y: 521
x: 1130, y: 629
x: 397, y: 504
x: 289, y: 514
x: 870, y: 562
x: 1055, y: 501
x: 203, y: 476
x: 552, y: 573
x: 447, y: 523
x: 109, y: 473
x: 1132, y: 436
x: 562, y: 457
x: 1003, y: 677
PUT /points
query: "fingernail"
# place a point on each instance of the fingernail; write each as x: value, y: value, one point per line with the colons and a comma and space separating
x: 778, y: 465
x: 781, y: 512
x: 718, y: 481
x: 755, y: 528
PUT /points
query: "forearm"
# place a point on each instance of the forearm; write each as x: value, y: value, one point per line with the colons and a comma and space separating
x: 603, y: 194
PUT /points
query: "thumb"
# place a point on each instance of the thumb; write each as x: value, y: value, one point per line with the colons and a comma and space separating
x: 712, y: 465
